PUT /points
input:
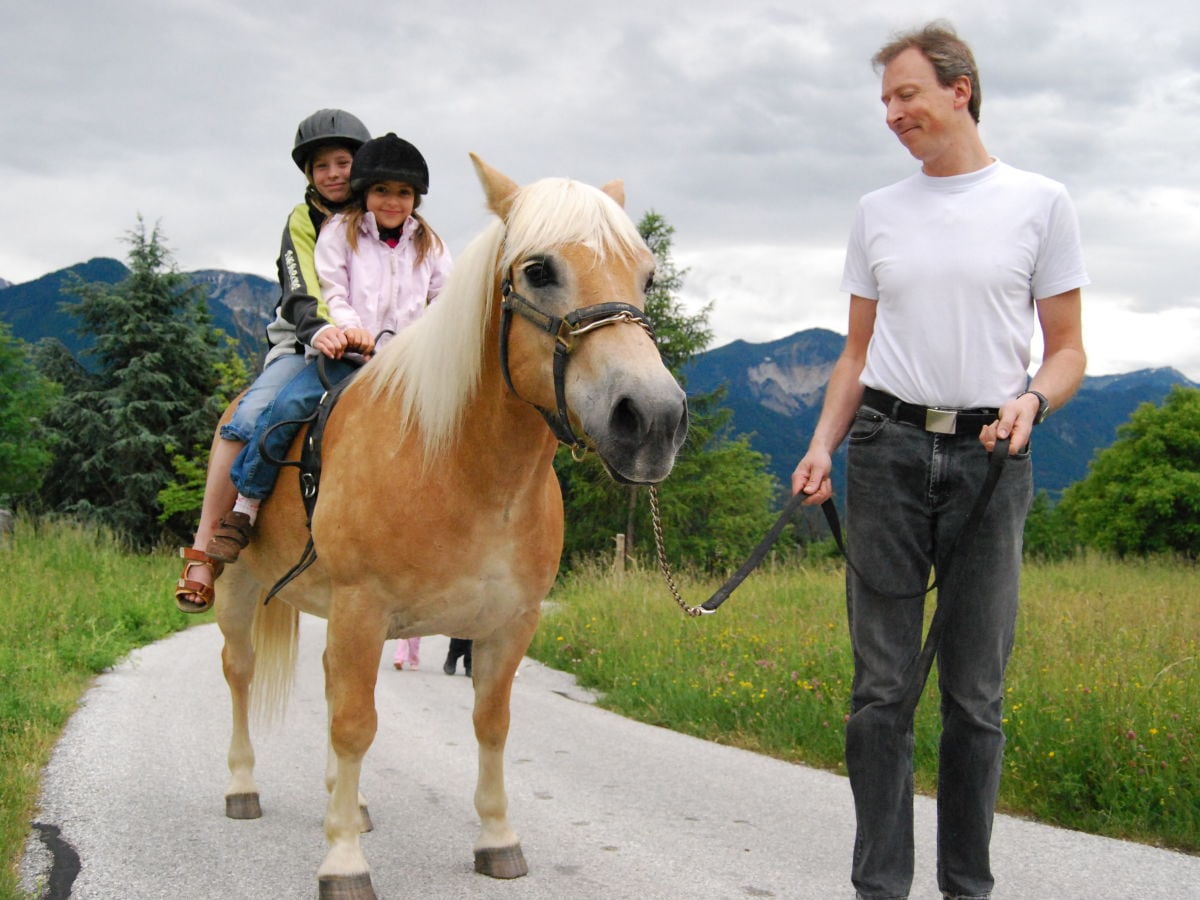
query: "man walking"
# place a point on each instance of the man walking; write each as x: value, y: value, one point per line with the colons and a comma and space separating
x: 947, y: 272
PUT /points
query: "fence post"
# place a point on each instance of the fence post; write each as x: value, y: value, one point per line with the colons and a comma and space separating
x: 619, y: 558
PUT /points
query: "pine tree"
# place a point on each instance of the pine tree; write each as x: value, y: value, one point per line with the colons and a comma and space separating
x: 146, y: 389
x: 718, y: 500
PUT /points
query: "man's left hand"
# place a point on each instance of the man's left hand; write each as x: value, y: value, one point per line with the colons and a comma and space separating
x: 1015, y: 421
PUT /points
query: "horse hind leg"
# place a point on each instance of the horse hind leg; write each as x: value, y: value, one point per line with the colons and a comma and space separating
x: 258, y: 659
x: 235, y: 616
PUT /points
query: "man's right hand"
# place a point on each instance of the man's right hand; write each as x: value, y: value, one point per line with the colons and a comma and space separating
x: 811, y: 477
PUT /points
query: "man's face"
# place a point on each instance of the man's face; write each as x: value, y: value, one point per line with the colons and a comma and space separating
x: 922, y: 113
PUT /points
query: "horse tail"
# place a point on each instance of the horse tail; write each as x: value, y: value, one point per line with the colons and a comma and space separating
x: 275, y: 636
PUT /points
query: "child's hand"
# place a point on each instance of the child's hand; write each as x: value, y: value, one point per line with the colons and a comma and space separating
x: 331, y: 342
x: 361, y: 340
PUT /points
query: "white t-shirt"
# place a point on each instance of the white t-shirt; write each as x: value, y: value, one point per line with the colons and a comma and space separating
x: 955, y: 264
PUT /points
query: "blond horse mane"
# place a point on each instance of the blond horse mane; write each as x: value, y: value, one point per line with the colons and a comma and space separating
x: 433, y: 367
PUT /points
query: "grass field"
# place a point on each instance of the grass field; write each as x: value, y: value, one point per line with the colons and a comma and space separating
x: 1102, y: 715
x: 72, y: 603
x: 1103, y: 719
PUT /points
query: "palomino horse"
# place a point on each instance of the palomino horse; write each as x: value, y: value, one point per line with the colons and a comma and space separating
x: 439, y: 509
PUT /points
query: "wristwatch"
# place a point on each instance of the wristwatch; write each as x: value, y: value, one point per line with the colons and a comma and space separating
x: 1043, y: 406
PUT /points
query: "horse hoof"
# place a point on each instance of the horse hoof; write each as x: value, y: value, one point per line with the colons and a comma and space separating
x: 346, y: 887
x: 501, y: 862
x: 242, y: 806
x: 367, y: 824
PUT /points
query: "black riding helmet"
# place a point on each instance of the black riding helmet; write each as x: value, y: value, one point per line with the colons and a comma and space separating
x: 389, y: 158
x: 328, y: 126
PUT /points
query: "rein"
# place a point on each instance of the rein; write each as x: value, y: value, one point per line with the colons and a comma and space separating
x: 565, y: 330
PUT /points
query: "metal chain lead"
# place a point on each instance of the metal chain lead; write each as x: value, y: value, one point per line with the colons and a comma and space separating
x: 656, y: 521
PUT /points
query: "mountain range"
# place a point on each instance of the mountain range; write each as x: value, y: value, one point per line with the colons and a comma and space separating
x: 774, y: 390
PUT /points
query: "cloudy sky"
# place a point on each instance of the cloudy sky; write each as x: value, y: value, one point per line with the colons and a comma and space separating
x: 751, y: 126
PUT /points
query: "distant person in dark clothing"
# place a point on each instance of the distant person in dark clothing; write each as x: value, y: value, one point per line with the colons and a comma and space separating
x: 459, y: 647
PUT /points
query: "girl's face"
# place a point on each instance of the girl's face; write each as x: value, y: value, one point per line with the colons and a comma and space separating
x: 392, y: 202
x: 331, y: 173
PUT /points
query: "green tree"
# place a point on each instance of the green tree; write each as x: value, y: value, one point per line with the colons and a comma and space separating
x: 146, y: 389
x: 1142, y: 494
x: 25, y: 397
x: 1049, y: 534
x: 717, y: 502
x: 182, y: 498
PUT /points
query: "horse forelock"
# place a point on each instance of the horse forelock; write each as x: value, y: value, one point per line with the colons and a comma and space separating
x: 432, y: 368
x: 554, y: 212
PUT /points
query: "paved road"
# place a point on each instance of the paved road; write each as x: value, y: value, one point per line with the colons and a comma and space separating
x: 606, y: 808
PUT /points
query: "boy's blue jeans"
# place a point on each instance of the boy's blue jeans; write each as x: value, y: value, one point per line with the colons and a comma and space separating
x: 253, y: 475
x: 908, y: 493
x: 259, y: 396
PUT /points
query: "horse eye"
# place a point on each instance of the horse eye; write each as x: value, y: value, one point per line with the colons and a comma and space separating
x: 539, y: 273
x: 649, y: 285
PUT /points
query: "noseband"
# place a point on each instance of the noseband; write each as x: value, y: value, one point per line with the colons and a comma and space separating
x: 565, y: 329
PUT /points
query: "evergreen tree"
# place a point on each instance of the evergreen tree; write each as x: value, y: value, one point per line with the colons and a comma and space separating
x: 717, y: 502
x: 1142, y: 494
x: 146, y: 389
x: 25, y: 397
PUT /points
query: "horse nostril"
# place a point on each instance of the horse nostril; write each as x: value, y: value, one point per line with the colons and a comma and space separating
x: 625, y: 419
x: 682, y: 427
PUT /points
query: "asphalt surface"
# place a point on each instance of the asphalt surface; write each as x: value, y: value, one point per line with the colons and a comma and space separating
x: 606, y: 808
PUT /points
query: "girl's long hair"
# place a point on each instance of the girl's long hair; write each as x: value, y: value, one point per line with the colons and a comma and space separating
x: 426, y: 238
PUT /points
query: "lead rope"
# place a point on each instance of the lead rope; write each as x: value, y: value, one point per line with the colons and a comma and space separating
x: 710, y: 606
x: 997, y: 458
x: 656, y: 521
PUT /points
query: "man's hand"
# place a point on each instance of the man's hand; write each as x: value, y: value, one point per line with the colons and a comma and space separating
x: 1016, y: 422
x: 811, y: 477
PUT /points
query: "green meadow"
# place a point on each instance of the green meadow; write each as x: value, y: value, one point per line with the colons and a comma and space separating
x: 1102, y: 710
x: 1103, y: 720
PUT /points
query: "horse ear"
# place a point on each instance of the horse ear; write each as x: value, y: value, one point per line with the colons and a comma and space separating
x: 616, y: 190
x: 499, y: 188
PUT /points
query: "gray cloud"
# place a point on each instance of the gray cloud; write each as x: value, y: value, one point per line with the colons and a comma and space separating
x: 752, y: 127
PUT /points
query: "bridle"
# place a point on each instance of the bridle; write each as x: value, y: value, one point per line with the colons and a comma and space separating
x: 565, y: 330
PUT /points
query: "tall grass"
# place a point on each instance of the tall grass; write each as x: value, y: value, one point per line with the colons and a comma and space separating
x: 1102, y: 715
x: 73, y: 601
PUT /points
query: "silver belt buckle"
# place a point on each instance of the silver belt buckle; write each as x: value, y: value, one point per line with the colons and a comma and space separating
x: 941, y: 421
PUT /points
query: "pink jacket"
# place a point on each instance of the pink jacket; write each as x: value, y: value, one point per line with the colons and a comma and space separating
x: 377, y: 287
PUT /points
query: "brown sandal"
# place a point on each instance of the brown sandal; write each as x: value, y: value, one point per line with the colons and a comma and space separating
x: 230, y: 537
x: 196, y: 596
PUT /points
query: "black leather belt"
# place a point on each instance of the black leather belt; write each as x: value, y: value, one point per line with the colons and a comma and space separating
x: 930, y: 418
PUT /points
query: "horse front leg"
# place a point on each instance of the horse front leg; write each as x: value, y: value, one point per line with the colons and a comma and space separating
x: 498, y: 849
x: 351, y: 665
x: 331, y: 759
x: 235, y: 616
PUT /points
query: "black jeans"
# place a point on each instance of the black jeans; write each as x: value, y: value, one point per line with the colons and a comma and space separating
x: 908, y: 493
